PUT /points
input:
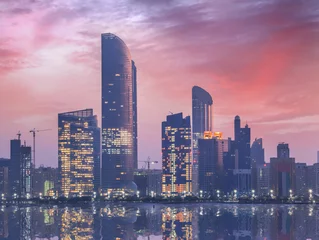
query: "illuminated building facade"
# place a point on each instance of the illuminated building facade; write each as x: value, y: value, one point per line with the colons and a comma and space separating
x: 263, y: 180
x: 176, y: 155
x: 283, y: 172
x: 177, y: 224
x: 20, y: 169
x: 202, y: 120
x: 45, y: 181
x: 119, y: 115
x: 79, y: 150
x: 149, y: 182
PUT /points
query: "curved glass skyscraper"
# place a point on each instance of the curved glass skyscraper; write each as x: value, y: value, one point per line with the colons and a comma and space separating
x: 119, y: 115
x: 202, y: 120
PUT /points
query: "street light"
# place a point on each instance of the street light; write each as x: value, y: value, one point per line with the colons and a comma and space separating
x: 201, y: 193
x: 152, y: 194
x: 253, y: 193
x: 235, y: 193
x: 138, y: 194
x: 218, y: 193
x: 310, y: 194
x: 271, y: 193
x: 28, y: 196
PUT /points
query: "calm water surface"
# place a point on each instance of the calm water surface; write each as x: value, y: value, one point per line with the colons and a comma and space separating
x: 148, y: 221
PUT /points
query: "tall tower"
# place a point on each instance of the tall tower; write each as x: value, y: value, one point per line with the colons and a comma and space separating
x: 258, y: 152
x: 242, y: 142
x: 237, y: 128
x: 119, y: 115
x: 202, y: 120
x: 176, y: 155
x: 79, y: 153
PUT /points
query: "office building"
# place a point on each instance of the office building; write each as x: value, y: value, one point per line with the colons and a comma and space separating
x: 176, y: 155
x: 242, y: 140
x: 149, y: 182
x: 242, y: 181
x: 79, y: 153
x: 207, y: 165
x: 230, y: 160
x: 119, y: 116
x: 202, y: 120
x: 301, y: 179
x: 20, y: 177
x: 4, y: 176
x: 45, y: 181
x: 283, y: 172
x: 263, y: 180
x: 258, y: 152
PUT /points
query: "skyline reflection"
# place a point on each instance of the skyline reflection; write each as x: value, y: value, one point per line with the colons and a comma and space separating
x: 148, y: 221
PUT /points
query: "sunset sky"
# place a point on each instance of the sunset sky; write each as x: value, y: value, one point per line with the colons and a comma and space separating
x: 258, y: 59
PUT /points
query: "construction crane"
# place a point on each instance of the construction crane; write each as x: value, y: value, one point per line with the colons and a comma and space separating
x: 149, y: 162
x: 34, y: 131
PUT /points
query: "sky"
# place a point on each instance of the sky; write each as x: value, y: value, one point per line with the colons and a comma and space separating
x: 257, y: 58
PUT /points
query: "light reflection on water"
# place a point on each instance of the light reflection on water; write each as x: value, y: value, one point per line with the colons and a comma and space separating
x: 148, y: 221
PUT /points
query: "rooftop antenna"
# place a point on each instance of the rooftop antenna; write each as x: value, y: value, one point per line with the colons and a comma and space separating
x: 19, y: 135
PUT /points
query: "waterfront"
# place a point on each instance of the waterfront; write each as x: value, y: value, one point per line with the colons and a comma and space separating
x: 157, y: 221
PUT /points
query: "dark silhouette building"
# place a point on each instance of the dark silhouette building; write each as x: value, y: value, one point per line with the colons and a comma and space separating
x: 207, y: 165
x: 242, y: 139
x: 20, y: 177
x: 45, y: 181
x: 79, y: 153
x: 283, y: 172
x: 119, y: 115
x: 4, y: 176
x: 258, y: 152
x: 202, y: 120
x: 176, y: 155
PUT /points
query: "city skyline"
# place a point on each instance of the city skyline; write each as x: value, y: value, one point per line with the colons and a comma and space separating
x: 279, y: 78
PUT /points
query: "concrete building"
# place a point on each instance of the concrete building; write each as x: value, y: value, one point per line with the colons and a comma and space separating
x: 176, y: 155
x: 242, y: 180
x: 283, y: 172
x: 78, y: 153
x: 202, y: 120
x: 119, y: 115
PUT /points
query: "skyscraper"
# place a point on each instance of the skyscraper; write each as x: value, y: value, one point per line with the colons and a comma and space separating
x: 119, y: 115
x: 242, y: 140
x: 20, y: 169
x: 176, y: 155
x: 207, y: 165
x: 283, y: 172
x: 79, y: 153
x: 202, y: 120
x: 258, y: 152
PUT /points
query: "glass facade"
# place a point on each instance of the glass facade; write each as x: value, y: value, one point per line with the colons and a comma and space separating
x: 176, y: 155
x: 202, y: 120
x: 119, y: 115
x: 78, y: 152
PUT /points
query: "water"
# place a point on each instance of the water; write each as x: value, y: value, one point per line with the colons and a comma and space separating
x: 148, y: 221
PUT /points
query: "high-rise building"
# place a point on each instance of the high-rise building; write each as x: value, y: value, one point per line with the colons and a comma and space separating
x: 263, y: 180
x: 202, y: 120
x: 79, y: 153
x: 301, y: 179
x: 318, y: 157
x: 176, y: 155
x: 45, y: 181
x: 4, y: 176
x: 258, y: 152
x: 283, y: 150
x: 230, y: 162
x: 20, y: 177
x: 207, y: 165
x: 149, y: 182
x: 242, y: 140
x: 119, y: 115
x: 283, y: 172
